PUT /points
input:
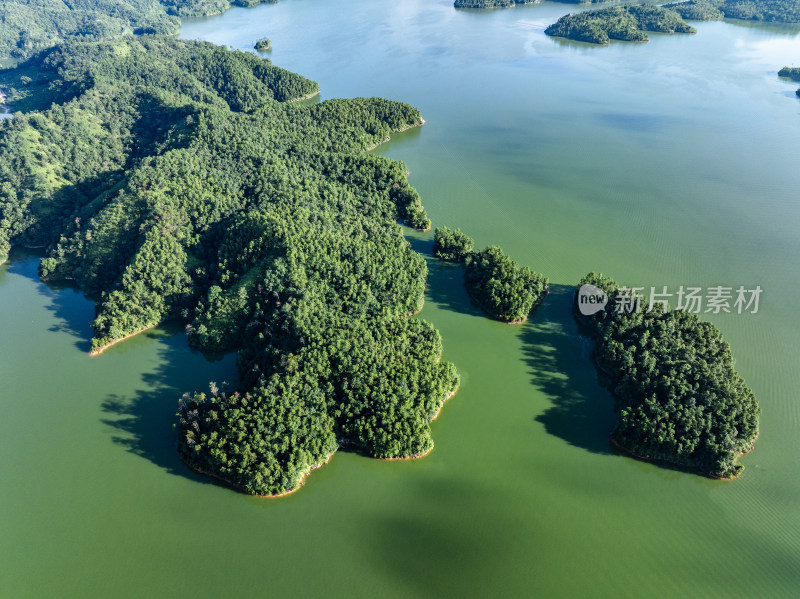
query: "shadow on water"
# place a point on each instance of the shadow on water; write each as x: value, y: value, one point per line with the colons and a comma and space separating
x: 143, y: 422
x: 425, y: 549
x: 445, y: 281
x: 582, y: 412
x: 67, y: 303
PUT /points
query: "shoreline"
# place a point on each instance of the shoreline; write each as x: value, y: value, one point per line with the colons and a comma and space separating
x: 342, y: 445
x: 444, y: 401
x: 240, y: 489
x: 306, y: 97
x: 601, y: 371
x: 388, y: 139
x: 410, y: 314
x: 499, y: 317
x: 416, y: 456
x: 684, y: 467
x: 100, y: 350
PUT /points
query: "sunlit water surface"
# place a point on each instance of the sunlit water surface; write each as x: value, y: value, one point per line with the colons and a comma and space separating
x: 668, y: 163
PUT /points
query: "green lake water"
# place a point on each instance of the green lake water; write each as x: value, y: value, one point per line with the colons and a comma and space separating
x: 674, y: 162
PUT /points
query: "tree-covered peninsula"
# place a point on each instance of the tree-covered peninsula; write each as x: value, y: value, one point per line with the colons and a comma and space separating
x: 178, y: 180
x: 778, y: 11
x: 625, y: 23
x: 29, y: 26
x: 678, y: 396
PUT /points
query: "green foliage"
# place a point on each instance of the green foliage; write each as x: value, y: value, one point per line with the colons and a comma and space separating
x: 777, y: 11
x: 489, y: 3
x: 697, y: 10
x: 452, y: 245
x: 678, y: 396
x: 410, y: 207
x: 264, y: 44
x: 792, y: 73
x: 626, y: 23
x: 176, y: 180
x: 502, y: 287
x: 33, y: 25
x: 509, y: 3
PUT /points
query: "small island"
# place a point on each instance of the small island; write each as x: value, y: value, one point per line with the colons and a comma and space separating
x: 264, y: 45
x: 625, y: 23
x: 504, y: 289
x: 792, y: 73
x: 452, y: 245
x: 490, y: 3
x: 678, y: 396
x: 511, y: 3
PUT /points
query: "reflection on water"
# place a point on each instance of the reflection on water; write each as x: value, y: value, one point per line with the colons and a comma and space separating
x: 667, y: 163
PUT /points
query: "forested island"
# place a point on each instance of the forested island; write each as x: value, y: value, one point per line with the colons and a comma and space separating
x: 678, y: 396
x: 776, y: 11
x: 29, y: 26
x: 169, y: 194
x: 792, y: 73
x: 263, y: 45
x: 503, y: 288
x: 510, y: 3
x: 625, y: 23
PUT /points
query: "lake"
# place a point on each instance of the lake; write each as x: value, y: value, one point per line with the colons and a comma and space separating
x: 669, y: 163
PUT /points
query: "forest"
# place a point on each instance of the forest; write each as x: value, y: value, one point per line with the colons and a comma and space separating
x: 33, y: 25
x: 778, y: 11
x: 792, y: 73
x: 678, y: 396
x: 503, y: 288
x: 176, y: 180
x: 625, y: 23
x: 263, y: 45
x: 510, y: 3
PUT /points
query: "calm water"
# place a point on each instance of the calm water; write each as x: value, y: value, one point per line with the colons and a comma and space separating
x: 667, y: 163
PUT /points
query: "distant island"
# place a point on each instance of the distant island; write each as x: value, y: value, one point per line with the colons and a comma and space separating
x: 678, y: 396
x: 504, y: 289
x: 262, y: 225
x: 625, y: 23
x: 792, y: 73
x: 511, y: 3
x: 264, y: 44
x: 776, y: 11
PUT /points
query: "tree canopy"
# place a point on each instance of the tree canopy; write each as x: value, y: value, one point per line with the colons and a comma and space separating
x: 33, y: 25
x: 177, y: 180
x: 678, y: 396
x: 452, y: 245
x: 502, y: 287
x: 626, y: 23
